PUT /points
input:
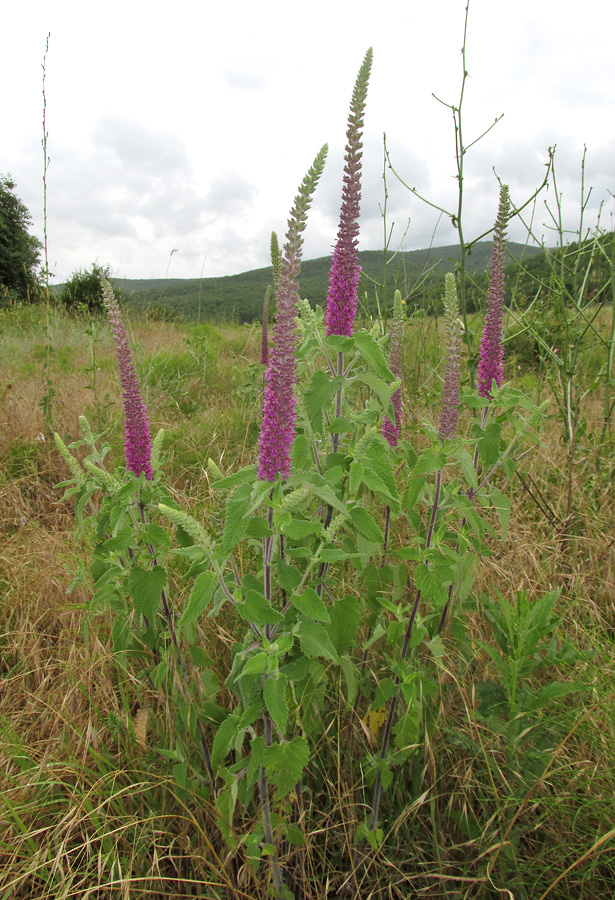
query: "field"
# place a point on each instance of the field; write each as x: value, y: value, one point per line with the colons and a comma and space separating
x: 508, y: 789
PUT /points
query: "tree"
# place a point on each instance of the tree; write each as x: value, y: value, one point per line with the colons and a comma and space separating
x: 84, y: 289
x: 20, y: 251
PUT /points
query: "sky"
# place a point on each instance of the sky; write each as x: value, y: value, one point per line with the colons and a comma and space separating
x: 179, y: 133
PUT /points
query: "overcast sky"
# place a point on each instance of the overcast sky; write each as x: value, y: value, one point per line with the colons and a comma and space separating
x: 188, y: 126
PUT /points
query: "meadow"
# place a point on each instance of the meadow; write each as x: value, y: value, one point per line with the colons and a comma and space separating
x: 90, y: 806
x: 324, y: 612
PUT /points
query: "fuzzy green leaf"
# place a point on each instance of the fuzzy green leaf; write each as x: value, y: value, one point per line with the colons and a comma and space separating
x: 364, y: 524
x: 284, y: 763
x: 199, y: 599
x: 345, y: 620
x: 315, y: 641
x: 373, y: 355
x: 145, y: 586
x: 311, y: 605
x: 235, y: 523
x: 274, y: 692
x: 317, y: 397
x: 258, y: 610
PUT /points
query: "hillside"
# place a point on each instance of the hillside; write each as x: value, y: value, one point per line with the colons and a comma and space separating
x: 418, y: 273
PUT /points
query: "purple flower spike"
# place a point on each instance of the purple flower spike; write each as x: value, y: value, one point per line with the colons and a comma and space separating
x: 491, y: 363
x: 390, y: 430
x: 449, y: 417
x: 278, y: 428
x: 137, y: 442
x: 345, y: 269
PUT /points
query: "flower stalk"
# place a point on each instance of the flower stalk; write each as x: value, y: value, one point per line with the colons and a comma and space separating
x: 137, y: 441
x: 491, y: 362
x: 279, y: 405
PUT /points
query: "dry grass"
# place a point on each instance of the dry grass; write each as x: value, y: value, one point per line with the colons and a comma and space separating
x: 90, y: 811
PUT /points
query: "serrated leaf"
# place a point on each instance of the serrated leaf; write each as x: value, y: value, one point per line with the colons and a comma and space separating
x: 145, y: 585
x: 243, y: 476
x: 200, y: 598
x: 381, y: 389
x: 258, y: 610
x: 284, y: 763
x: 156, y: 536
x: 364, y: 524
x: 298, y: 529
x: 377, y: 463
x: 501, y: 504
x: 288, y: 576
x: 345, y: 620
x: 235, y: 522
x: 123, y: 539
x: 224, y: 738
x: 317, y: 397
x: 373, y: 355
x: 274, y: 693
x: 315, y: 641
x: 432, y: 582
x: 310, y: 604
x: 488, y: 442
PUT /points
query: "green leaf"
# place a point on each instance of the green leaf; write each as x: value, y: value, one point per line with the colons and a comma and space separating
x: 224, y: 738
x: 345, y: 620
x: 433, y: 582
x: 325, y: 492
x: 156, y: 536
x: 255, y: 665
x: 310, y: 604
x: 145, y: 586
x: 428, y: 462
x: 488, y: 442
x: 235, y: 523
x: 501, y: 504
x: 349, y: 670
x: 243, y: 476
x: 284, y: 764
x: 258, y: 527
x: 199, y: 599
x: 317, y: 397
x: 364, y: 524
x: 373, y: 355
x: 123, y: 539
x: 315, y: 641
x: 258, y: 610
x: 274, y: 692
x: 378, y: 469
x: 288, y: 576
x: 380, y: 388
x: 298, y: 529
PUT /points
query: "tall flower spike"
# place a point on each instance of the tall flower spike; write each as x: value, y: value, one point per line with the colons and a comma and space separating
x: 278, y: 428
x: 137, y: 441
x: 345, y: 270
x: 390, y: 430
x: 491, y: 363
x: 449, y: 416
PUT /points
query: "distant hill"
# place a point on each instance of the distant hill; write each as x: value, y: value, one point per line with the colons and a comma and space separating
x: 418, y: 273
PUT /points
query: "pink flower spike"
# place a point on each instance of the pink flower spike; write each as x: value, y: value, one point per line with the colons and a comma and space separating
x: 345, y: 269
x: 137, y: 441
x: 491, y: 362
x: 278, y: 427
